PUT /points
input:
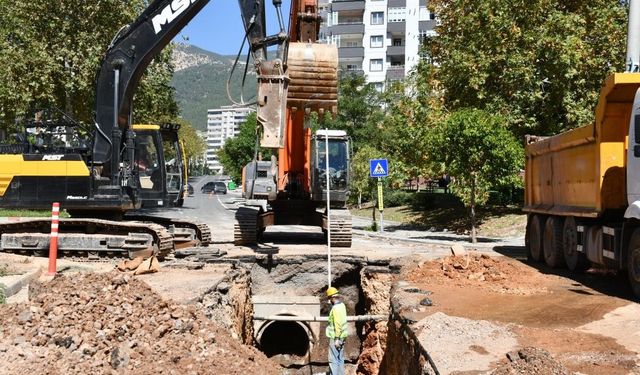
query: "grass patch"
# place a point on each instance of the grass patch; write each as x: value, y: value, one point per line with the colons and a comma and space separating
x: 491, y: 221
x: 4, y: 269
x: 29, y: 213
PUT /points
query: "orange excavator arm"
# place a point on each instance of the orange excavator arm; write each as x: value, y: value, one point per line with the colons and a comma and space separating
x: 313, y: 87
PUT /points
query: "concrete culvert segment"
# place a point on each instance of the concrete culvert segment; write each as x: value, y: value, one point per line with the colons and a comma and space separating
x: 289, y: 338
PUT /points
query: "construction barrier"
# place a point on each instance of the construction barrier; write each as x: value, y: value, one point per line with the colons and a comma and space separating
x: 53, y: 242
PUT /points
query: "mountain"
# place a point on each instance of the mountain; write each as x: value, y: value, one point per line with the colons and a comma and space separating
x: 200, y: 80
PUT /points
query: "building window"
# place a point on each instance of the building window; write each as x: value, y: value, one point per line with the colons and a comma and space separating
x: 397, y: 42
x: 377, y: 18
x: 375, y: 65
x: 397, y: 14
x: 379, y: 86
x: 432, y: 16
x: 352, y: 67
x: 376, y: 41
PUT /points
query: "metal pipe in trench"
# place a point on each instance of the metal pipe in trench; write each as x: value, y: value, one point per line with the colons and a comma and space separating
x: 292, y: 318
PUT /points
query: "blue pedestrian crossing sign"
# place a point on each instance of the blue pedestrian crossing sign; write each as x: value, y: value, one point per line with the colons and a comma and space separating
x: 378, y: 168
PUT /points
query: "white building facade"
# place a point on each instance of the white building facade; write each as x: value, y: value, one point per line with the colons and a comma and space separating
x: 222, y: 123
x: 378, y: 38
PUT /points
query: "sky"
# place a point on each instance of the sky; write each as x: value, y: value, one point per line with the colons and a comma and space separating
x: 218, y: 27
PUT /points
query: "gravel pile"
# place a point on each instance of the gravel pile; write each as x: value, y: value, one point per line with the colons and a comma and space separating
x: 459, y: 344
x: 114, y: 323
x: 533, y: 361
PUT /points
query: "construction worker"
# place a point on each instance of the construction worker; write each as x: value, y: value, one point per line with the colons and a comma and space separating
x: 336, y: 331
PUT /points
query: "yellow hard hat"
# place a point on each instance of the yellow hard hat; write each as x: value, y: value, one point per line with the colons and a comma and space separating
x: 331, y: 291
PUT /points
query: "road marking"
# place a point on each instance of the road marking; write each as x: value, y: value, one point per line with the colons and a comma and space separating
x: 222, y: 204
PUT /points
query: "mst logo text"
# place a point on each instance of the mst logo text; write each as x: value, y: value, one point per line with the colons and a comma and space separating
x: 169, y: 13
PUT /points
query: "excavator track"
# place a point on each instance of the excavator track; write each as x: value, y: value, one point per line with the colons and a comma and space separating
x: 340, y: 228
x: 245, y: 229
x: 93, y: 238
x: 186, y: 232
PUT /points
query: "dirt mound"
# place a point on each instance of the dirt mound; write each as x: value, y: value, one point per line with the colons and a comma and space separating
x: 531, y: 361
x: 498, y: 274
x: 114, y: 323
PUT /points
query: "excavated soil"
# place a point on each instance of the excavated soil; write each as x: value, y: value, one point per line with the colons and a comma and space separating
x: 544, y: 313
x: 500, y: 275
x: 114, y: 323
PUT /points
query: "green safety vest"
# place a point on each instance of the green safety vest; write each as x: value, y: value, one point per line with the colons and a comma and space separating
x: 337, y: 327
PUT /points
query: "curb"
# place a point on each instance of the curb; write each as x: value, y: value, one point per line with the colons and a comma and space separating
x: 467, y: 245
x: 14, y: 287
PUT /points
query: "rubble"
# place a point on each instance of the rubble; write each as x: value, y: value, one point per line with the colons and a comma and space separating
x: 114, y: 323
x: 532, y: 361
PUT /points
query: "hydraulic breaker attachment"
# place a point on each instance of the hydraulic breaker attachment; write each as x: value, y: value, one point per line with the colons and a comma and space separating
x: 272, y: 93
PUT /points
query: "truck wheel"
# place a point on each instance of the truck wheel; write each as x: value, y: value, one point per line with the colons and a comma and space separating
x: 575, y: 260
x: 633, y: 262
x: 552, y: 242
x: 534, y: 237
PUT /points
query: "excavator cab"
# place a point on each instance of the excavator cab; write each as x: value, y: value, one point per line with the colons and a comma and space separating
x: 159, y: 165
x: 338, y: 170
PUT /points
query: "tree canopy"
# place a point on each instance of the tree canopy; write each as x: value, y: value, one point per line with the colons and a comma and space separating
x: 50, y: 53
x: 539, y: 63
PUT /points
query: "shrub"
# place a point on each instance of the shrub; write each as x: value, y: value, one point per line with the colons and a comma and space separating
x: 395, y: 198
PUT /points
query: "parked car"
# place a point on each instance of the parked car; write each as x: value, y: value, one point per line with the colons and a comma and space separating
x: 220, y: 188
x: 215, y: 187
x: 207, y: 188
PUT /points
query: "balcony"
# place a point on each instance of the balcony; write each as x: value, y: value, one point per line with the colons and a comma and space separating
x: 395, y: 73
x: 351, y: 72
x: 347, y: 28
x: 396, y: 27
x: 427, y: 25
x: 346, y: 5
x: 395, y: 50
x: 397, y: 3
x: 346, y: 52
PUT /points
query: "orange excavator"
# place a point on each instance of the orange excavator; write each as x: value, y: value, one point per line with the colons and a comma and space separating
x: 291, y: 189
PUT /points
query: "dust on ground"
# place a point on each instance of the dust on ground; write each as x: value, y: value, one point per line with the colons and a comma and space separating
x: 114, y: 323
x: 561, y: 319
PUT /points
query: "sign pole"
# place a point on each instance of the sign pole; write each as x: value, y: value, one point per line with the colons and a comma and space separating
x: 326, y: 151
x: 381, y: 204
x: 379, y: 168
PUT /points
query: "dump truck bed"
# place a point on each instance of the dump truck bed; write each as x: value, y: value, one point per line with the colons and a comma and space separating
x: 581, y: 172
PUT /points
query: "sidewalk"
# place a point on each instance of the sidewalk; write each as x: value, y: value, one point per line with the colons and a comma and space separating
x: 402, y: 232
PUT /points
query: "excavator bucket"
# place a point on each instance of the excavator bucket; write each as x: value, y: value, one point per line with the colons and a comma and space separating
x: 313, y: 77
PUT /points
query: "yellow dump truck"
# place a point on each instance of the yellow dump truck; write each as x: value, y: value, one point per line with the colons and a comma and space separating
x: 582, y: 187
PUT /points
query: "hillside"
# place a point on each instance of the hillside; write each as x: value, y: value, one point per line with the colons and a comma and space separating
x: 200, y: 82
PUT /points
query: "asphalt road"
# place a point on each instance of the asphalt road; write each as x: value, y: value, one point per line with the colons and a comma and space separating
x: 218, y: 211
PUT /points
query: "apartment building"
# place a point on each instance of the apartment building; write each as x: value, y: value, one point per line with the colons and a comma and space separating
x: 378, y: 38
x: 222, y: 123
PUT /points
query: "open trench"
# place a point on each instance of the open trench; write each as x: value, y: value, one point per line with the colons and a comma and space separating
x: 293, y: 288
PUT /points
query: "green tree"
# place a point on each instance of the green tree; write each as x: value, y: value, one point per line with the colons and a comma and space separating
x: 239, y: 151
x: 478, y: 151
x: 412, y: 107
x: 360, y: 111
x: 539, y: 63
x: 194, y: 145
x: 50, y: 52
